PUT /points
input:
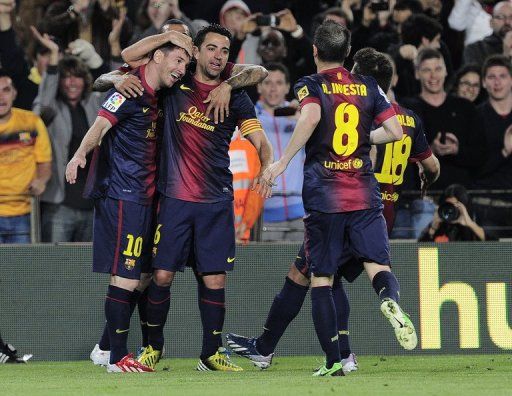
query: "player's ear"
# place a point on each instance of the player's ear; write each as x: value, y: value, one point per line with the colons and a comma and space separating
x: 315, y: 51
x: 158, y: 56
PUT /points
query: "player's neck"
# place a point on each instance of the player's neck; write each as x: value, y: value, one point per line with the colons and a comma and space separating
x: 433, y: 99
x: 205, y: 79
x: 151, y: 76
x: 321, y: 66
x: 391, y: 95
x: 502, y: 106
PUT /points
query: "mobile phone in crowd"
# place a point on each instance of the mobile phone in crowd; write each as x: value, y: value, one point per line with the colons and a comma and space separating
x: 267, y: 20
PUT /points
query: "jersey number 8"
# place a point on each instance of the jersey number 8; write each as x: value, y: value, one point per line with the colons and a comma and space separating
x: 346, y: 137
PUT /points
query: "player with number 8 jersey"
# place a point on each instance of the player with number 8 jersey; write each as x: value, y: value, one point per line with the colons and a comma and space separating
x: 338, y: 174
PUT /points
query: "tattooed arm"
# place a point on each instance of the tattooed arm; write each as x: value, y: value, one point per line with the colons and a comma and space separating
x: 126, y: 84
x: 241, y: 76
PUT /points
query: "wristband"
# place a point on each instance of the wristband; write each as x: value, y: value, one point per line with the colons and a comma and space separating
x: 297, y: 33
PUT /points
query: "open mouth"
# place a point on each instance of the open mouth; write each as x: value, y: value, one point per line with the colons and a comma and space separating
x: 215, y: 65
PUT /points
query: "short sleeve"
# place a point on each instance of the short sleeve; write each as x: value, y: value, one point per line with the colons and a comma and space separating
x: 420, y: 149
x: 247, y: 121
x: 116, y: 108
x: 306, y: 91
x: 382, y: 108
x: 43, y: 148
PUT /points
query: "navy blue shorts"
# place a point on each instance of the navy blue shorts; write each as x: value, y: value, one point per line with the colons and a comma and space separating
x: 350, y: 268
x: 334, y: 240
x: 123, y: 237
x: 204, y: 232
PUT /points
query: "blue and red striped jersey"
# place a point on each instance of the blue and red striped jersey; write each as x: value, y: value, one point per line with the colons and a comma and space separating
x: 124, y: 165
x: 194, y: 162
x: 338, y: 175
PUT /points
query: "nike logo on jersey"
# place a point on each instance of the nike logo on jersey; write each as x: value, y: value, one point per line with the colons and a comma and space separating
x: 119, y: 331
x: 230, y: 259
x: 145, y: 109
x: 215, y: 332
x: 185, y: 88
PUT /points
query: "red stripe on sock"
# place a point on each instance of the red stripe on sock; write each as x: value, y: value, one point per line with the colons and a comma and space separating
x: 212, y: 302
x: 159, y: 302
x: 119, y: 229
x: 115, y: 299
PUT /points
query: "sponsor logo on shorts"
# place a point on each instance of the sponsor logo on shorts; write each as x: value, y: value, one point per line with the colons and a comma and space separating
x: 230, y: 259
x: 155, y: 250
x: 129, y: 264
x: 119, y: 331
x: 215, y: 332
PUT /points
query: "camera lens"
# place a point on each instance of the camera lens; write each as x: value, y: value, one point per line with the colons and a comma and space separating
x: 448, y: 212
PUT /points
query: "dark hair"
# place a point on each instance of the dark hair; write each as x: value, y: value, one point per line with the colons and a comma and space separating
x: 458, y: 191
x: 426, y: 54
x: 4, y: 73
x: 332, y: 42
x: 418, y: 26
x: 166, y: 48
x: 496, y: 60
x: 468, y: 68
x: 276, y: 66
x: 175, y: 21
x: 212, y: 28
x: 369, y: 62
x: 71, y: 65
x: 413, y: 5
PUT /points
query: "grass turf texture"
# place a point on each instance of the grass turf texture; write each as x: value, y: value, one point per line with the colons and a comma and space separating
x: 404, y: 375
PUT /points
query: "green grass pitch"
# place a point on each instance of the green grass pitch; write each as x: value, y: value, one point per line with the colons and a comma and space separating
x: 389, y: 375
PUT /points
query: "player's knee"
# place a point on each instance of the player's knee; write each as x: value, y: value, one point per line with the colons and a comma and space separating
x: 124, y: 283
x: 163, y: 278
x: 296, y: 276
x: 215, y: 281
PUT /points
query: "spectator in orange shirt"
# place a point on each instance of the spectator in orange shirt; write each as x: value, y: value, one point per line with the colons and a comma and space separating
x: 245, y: 166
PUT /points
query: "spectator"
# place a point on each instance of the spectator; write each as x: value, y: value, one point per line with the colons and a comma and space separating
x: 152, y: 15
x: 453, y: 130
x: 284, y: 210
x: 13, y: 61
x: 418, y: 32
x: 469, y: 16
x: 65, y: 89
x: 467, y: 84
x: 403, y: 10
x: 496, y: 172
x: 235, y: 16
x: 335, y: 14
x: 245, y: 166
x: 501, y: 23
x: 452, y: 220
x: 69, y: 20
x: 25, y: 164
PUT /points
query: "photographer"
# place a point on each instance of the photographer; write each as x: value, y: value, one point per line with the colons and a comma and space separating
x: 452, y: 221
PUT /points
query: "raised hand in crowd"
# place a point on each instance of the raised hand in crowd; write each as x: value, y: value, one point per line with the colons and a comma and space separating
x: 115, y: 34
x: 408, y: 51
x: 449, y: 147
x: 86, y: 52
x: 287, y: 22
x: 6, y: 6
x: 47, y: 41
x: 507, y: 142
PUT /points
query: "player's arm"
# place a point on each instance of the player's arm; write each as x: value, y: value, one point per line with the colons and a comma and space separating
x: 390, y: 131
x: 241, y: 76
x: 266, y: 155
x: 137, y: 54
x: 91, y: 139
x: 309, y: 118
x: 429, y: 170
x: 125, y: 83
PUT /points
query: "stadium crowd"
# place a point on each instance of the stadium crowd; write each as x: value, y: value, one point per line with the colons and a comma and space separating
x: 453, y: 62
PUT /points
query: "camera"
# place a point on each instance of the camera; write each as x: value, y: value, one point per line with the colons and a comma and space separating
x: 379, y: 5
x: 267, y: 20
x: 448, y: 212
